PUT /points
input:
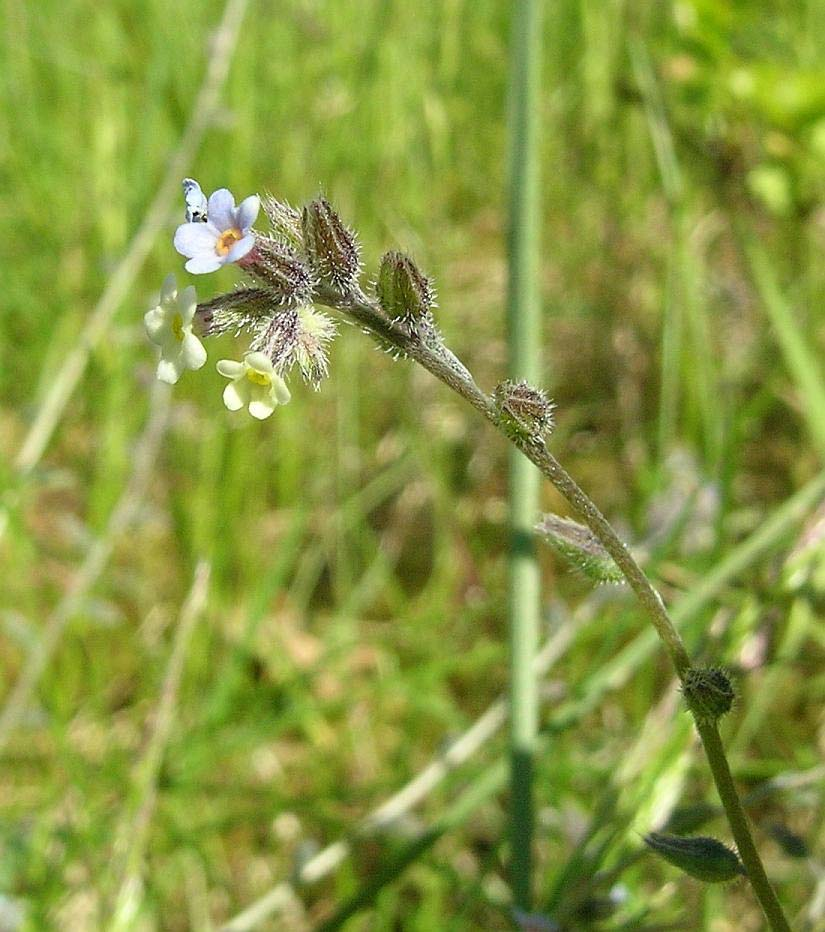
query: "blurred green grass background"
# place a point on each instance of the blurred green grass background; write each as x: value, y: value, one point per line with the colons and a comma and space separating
x: 355, y: 614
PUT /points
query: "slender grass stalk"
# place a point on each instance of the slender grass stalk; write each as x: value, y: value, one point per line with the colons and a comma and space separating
x: 523, y: 342
x: 132, y: 837
x: 684, y: 324
x: 800, y: 356
x: 443, y: 365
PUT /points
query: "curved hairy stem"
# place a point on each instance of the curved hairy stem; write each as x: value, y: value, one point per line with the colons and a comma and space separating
x: 439, y: 361
x: 445, y: 367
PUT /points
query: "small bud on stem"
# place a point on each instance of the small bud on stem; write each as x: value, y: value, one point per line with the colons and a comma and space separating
x: 525, y: 411
x: 299, y: 337
x: 703, y: 858
x: 708, y: 693
x: 578, y: 544
x: 285, y: 222
x: 286, y: 276
x: 331, y: 248
x: 406, y: 295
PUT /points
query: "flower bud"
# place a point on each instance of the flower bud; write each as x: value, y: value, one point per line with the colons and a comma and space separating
x: 708, y: 693
x: 315, y: 332
x: 237, y: 311
x: 703, y: 858
x: 299, y: 336
x: 287, y: 278
x: 330, y: 247
x: 577, y: 544
x: 404, y: 293
x: 277, y: 338
x: 285, y: 222
x: 525, y: 410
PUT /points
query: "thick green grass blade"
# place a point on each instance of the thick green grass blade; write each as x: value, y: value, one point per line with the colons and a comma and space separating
x: 523, y: 338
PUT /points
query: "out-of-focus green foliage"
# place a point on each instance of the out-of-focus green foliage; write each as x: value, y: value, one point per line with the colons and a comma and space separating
x: 756, y: 94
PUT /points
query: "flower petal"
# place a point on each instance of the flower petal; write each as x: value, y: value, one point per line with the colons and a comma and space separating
x: 203, y: 263
x: 188, y: 303
x: 235, y: 396
x: 192, y: 351
x: 258, y: 362
x: 230, y: 369
x: 156, y: 323
x: 261, y: 408
x: 222, y: 209
x: 168, y: 289
x: 247, y: 212
x: 240, y: 249
x: 280, y: 392
x: 192, y: 239
x: 169, y: 370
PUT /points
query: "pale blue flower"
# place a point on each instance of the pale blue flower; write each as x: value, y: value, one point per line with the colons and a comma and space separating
x: 255, y: 385
x: 225, y: 237
x: 169, y: 326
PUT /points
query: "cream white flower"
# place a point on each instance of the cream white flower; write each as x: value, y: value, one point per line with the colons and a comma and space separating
x: 225, y: 236
x: 169, y: 326
x: 255, y: 384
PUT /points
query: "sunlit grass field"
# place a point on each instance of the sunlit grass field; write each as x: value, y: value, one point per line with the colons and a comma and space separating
x: 353, y: 624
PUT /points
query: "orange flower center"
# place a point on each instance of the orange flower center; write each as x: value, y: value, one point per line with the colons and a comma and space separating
x: 227, y: 240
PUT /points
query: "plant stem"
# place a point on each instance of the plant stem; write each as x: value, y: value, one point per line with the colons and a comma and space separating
x: 523, y: 594
x: 738, y: 822
x: 439, y: 361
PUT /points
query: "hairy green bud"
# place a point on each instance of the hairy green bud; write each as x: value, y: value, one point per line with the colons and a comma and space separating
x: 285, y: 274
x: 703, y: 858
x: 404, y: 293
x: 525, y: 410
x: 578, y: 545
x: 331, y: 248
x: 285, y: 222
x: 708, y: 693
